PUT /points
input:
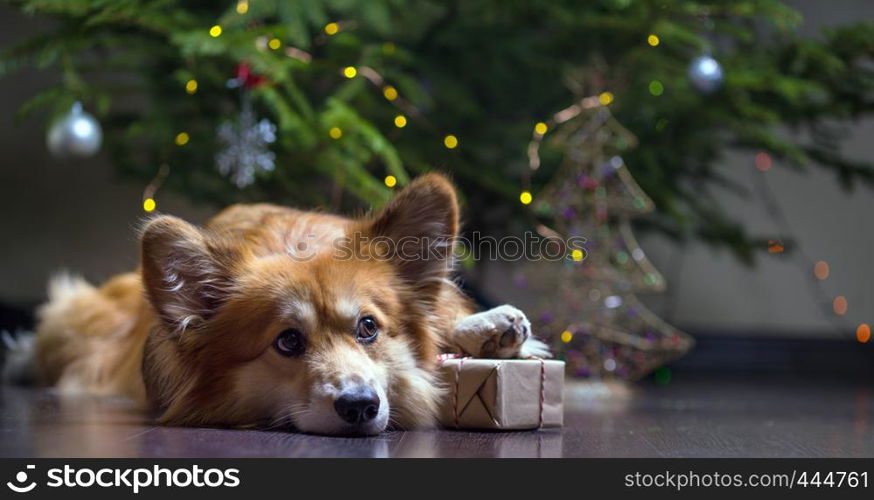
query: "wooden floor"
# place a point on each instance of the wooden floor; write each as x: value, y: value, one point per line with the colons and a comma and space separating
x: 687, y: 418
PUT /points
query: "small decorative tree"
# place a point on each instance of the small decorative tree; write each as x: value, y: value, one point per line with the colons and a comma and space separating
x: 589, y: 300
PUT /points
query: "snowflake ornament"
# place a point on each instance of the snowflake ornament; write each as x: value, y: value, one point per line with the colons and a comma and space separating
x: 246, y: 150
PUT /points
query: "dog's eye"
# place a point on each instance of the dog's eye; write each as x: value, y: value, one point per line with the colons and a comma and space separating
x: 367, y: 330
x: 289, y: 342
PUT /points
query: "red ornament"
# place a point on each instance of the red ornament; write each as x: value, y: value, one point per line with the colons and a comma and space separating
x: 246, y: 79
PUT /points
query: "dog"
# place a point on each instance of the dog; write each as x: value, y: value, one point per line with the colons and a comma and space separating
x: 271, y: 317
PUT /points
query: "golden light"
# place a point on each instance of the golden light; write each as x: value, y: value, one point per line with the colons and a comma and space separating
x: 566, y: 336
x: 821, y: 270
x: 335, y: 132
x: 400, y: 121
x: 149, y: 205
x: 242, y: 6
x: 350, y: 71
x: 540, y: 128
x: 839, y: 305
x: 332, y: 28
x: 391, y: 181
x: 450, y: 141
x: 525, y: 197
x: 653, y: 40
x: 605, y: 98
x: 390, y: 92
x: 863, y: 333
x: 215, y: 31
x: 274, y: 44
x: 182, y: 138
x: 191, y: 86
x: 577, y: 255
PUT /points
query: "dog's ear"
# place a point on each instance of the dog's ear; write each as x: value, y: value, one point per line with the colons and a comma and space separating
x: 421, y: 223
x: 183, y: 276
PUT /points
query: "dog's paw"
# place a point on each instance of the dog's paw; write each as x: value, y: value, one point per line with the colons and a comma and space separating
x: 534, y: 348
x: 497, y: 333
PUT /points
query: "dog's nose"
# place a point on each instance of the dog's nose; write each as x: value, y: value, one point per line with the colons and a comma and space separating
x: 357, y: 406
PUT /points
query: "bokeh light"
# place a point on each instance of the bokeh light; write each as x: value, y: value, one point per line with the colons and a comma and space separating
x: 763, y: 162
x: 839, y: 305
x: 821, y: 270
x: 863, y: 333
x: 525, y: 197
x: 149, y: 205
x: 390, y: 92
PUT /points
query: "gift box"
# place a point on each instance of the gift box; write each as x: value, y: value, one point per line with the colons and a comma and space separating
x: 507, y: 394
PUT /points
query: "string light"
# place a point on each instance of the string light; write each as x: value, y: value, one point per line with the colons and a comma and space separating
x: 653, y: 40
x: 391, y: 181
x: 605, y: 98
x: 400, y: 121
x: 577, y: 255
x: 863, y: 333
x: 215, y: 31
x: 350, y: 71
x: 775, y: 246
x: 332, y: 28
x: 390, y: 92
x: 763, y: 162
x: 242, y: 6
x: 335, y: 133
x: 656, y: 88
x: 450, y: 141
x: 181, y: 138
x: 274, y: 44
x: 821, y: 270
x: 839, y: 305
x: 149, y: 205
x: 525, y: 197
x: 566, y: 336
x: 540, y: 128
x: 191, y: 86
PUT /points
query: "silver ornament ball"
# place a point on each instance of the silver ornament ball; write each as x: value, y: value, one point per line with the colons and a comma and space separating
x: 706, y: 74
x: 77, y: 133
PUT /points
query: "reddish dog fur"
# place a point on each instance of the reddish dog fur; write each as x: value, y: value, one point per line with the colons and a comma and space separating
x: 191, y: 332
x: 260, y: 318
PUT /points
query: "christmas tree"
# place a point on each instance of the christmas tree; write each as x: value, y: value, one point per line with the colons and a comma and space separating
x: 590, y: 296
x: 364, y: 95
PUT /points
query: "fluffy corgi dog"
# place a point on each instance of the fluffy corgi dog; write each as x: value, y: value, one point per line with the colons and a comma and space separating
x: 274, y: 317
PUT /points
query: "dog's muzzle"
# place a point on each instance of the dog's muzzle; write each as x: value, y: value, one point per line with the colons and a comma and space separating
x: 357, y: 406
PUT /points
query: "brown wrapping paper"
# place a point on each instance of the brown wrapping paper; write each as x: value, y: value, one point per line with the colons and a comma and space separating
x: 502, y: 393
